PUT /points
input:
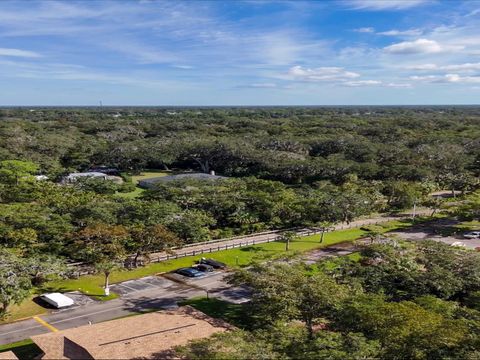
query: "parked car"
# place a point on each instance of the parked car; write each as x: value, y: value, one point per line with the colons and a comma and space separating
x: 204, y: 267
x: 190, y: 272
x: 472, y: 234
x: 216, y: 264
x: 57, y: 300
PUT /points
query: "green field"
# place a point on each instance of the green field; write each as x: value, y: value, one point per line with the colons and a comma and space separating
x: 93, y: 284
x: 142, y: 176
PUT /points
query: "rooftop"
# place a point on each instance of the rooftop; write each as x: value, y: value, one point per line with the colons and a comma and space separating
x: 143, y: 336
x: 196, y: 176
x: 91, y: 173
x: 8, y: 355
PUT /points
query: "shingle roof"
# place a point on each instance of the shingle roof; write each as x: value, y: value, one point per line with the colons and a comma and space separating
x: 8, y: 355
x: 142, y: 336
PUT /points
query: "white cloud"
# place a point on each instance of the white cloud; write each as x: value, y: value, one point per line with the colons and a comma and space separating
x: 428, y: 78
x: 362, y: 83
x: 18, y: 53
x: 422, y: 67
x: 263, y: 85
x: 455, y: 78
x: 379, y: 5
x: 183, y: 67
x: 473, y: 13
x: 398, y: 85
x: 447, y: 78
x: 420, y: 46
x: 411, y: 32
x: 466, y: 67
x: 320, y: 74
x: 365, y: 30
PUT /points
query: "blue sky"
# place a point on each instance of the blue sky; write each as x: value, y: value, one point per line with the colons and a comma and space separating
x: 239, y: 52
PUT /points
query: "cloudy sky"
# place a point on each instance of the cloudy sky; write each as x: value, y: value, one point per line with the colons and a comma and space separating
x: 254, y: 52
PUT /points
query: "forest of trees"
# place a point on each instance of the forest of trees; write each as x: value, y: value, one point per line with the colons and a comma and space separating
x: 283, y: 168
x: 291, y: 145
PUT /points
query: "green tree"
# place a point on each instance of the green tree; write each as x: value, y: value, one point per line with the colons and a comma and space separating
x: 12, y: 171
x: 103, y: 246
x: 15, y: 281
x: 287, y: 237
x: 147, y: 239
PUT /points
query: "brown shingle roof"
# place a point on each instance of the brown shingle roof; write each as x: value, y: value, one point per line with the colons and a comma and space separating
x: 8, y: 355
x: 142, y: 336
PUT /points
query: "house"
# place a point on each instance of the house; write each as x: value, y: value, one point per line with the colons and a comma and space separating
x: 73, y: 177
x: 147, y: 336
x: 150, y: 183
x: 105, y: 169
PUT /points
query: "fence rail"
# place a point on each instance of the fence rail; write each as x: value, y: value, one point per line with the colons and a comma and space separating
x: 214, y: 246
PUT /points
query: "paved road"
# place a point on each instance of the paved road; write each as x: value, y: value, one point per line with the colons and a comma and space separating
x: 135, y: 296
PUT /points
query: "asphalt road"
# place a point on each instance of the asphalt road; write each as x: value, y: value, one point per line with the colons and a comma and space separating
x: 135, y: 296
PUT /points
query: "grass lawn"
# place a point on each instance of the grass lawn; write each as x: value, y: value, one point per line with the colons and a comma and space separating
x: 231, y: 313
x: 24, y: 349
x: 136, y: 178
x: 468, y: 225
x: 26, y: 309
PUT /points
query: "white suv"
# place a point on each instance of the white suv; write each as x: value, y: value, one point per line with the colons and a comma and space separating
x: 472, y: 235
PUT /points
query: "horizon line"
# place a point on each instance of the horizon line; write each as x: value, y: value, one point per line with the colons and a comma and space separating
x: 232, y: 106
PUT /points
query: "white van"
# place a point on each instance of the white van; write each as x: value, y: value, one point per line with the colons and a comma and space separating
x: 57, y: 300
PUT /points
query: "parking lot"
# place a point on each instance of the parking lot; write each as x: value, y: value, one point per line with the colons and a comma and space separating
x: 148, y: 283
x: 211, y: 284
x: 433, y: 231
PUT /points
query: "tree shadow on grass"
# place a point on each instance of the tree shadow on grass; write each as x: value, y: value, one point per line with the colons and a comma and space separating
x: 252, y: 249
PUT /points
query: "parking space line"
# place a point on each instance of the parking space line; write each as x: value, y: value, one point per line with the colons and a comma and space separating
x: 128, y: 287
x: 145, y: 283
x: 46, y: 324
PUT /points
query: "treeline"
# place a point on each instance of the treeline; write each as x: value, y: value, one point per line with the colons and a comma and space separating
x: 47, y: 217
x: 292, y: 145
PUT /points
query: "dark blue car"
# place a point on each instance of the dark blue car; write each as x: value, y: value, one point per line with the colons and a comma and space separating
x: 190, y: 272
